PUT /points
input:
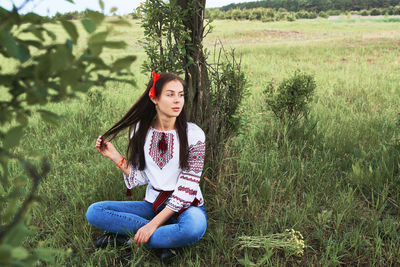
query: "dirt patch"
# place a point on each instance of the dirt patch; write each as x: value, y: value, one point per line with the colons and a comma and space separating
x: 277, y: 34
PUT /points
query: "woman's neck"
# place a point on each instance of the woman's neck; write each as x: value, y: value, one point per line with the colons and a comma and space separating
x: 164, y: 124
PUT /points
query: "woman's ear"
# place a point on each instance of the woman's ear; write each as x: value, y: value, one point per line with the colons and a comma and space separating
x: 154, y: 100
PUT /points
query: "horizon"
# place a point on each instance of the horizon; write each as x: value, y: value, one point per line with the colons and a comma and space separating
x: 47, y: 7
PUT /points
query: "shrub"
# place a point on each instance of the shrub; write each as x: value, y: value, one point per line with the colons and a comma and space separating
x: 322, y: 14
x: 245, y: 14
x: 267, y: 19
x: 256, y: 13
x: 313, y: 15
x: 291, y: 16
x: 391, y: 10
x: 334, y: 12
x: 364, y: 12
x: 236, y: 14
x: 281, y: 16
x: 302, y: 14
x: 290, y: 100
x: 396, y: 10
x: 375, y: 12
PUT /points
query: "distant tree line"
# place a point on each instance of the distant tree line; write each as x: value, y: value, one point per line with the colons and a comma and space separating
x: 315, y: 5
x: 265, y: 14
x: 271, y: 14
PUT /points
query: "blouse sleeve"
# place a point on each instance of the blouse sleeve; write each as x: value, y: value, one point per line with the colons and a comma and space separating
x: 134, y: 178
x: 189, y: 179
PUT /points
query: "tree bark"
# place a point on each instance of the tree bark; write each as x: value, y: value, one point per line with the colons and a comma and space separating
x: 196, y: 73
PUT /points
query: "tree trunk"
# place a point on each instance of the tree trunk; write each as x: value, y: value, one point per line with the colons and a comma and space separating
x: 196, y: 73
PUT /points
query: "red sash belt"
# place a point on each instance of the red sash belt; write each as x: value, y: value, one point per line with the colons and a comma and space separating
x: 160, y: 202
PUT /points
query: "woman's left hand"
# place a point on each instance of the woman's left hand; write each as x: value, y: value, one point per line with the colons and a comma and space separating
x: 144, y: 233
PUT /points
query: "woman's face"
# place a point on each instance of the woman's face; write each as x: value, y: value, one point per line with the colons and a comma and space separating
x: 170, y: 101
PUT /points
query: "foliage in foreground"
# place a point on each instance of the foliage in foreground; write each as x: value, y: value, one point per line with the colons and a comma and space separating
x: 44, y: 71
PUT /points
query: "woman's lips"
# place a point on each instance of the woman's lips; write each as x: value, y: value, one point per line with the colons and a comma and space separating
x: 175, y: 109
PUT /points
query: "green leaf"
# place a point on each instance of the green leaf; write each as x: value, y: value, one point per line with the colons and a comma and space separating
x: 83, y: 87
x: 9, y: 43
x: 70, y: 29
x: 99, y: 37
x: 115, y: 44
x: 17, y: 234
x: 88, y: 25
x: 95, y: 17
x: 101, y: 3
x: 123, y: 63
x: 95, y: 49
x: 70, y: 77
x: 113, y: 9
x: 61, y: 58
x: 69, y: 45
x: 49, y: 117
x: 33, y: 43
x: 13, y: 137
x: 19, y: 253
x: 50, y: 34
x: 23, y: 53
x: 71, y: 1
x: 22, y: 118
x: 37, y: 32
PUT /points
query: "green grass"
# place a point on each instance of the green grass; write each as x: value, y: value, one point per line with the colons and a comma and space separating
x: 337, y: 184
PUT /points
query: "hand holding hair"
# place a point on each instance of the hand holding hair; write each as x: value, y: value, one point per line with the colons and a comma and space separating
x: 107, y: 149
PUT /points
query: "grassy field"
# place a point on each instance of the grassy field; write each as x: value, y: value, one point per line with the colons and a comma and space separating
x: 338, y: 184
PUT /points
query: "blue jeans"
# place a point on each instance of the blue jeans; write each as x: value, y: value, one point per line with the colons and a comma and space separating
x: 126, y: 217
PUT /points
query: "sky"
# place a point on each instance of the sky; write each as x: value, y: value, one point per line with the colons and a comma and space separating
x: 51, y: 7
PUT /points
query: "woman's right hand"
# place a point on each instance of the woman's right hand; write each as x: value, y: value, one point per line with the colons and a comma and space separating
x: 107, y: 149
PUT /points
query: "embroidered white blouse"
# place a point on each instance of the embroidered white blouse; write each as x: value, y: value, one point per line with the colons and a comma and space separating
x: 162, y: 171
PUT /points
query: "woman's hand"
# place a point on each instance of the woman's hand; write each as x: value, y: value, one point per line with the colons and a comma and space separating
x: 107, y: 149
x: 143, y: 235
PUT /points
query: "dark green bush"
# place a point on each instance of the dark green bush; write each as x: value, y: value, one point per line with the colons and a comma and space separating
x: 291, y: 99
x: 322, y: 14
x: 364, y: 12
x: 375, y: 12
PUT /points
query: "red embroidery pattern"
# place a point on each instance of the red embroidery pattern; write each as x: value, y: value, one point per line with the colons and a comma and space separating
x: 179, y: 199
x: 187, y: 190
x: 196, y: 157
x: 131, y: 178
x: 191, y: 174
x: 197, y: 181
x: 160, y: 157
x: 173, y: 206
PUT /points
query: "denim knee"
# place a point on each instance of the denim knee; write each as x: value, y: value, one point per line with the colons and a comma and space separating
x: 92, y: 213
x: 194, y: 225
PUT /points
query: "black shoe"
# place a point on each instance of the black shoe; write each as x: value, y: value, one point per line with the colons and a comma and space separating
x: 113, y: 239
x: 167, y: 255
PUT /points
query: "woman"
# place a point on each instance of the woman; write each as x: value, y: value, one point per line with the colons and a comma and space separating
x: 166, y: 153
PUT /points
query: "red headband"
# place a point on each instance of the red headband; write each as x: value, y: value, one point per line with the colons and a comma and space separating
x: 152, y: 92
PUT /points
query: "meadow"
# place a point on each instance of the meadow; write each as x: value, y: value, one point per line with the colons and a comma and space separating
x: 337, y: 183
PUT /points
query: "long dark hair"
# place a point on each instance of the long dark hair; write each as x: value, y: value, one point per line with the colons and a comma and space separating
x: 143, y: 112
